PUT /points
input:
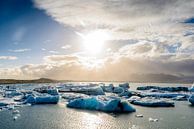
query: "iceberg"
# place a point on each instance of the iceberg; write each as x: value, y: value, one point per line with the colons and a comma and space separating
x: 11, y: 93
x: 118, y: 90
x: 170, y: 89
x: 151, y: 102
x: 153, y: 120
x: 174, y: 96
x: 191, y: 89
x: 191, y: 99
x: 89, y: 90
x: 3, y: 104
x: 124, y: 85
x: 71, y: 96
x: 106, y: 104
x: 126, y: 93
x: 49, y: 90
x: 108, y: 88
x: 44, y: 99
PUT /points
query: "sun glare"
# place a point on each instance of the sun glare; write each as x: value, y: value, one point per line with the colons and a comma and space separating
x: 94, y: 41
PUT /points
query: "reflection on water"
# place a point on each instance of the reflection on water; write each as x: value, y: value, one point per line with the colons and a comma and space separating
x: 92, y: 121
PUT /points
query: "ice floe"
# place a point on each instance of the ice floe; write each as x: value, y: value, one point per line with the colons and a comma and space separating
x: 170, y: 89
x: 152, y: 102
x: 153, y: 120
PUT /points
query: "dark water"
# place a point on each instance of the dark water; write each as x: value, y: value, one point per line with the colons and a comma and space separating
x: 60, y: 117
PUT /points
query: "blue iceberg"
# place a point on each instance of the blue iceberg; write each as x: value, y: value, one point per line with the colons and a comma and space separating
x: 191, y: 99
x: 42, y: 99
x: 106, y: 104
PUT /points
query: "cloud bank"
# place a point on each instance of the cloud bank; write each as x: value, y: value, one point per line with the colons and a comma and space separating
x: 155, y: 37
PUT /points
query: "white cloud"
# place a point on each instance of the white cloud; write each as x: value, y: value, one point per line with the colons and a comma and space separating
x: 20, y: 50
x: 8, y: 58
x: 66, y: 46
x: 53, y: 52
x: 43, y: 49
x: 160, y: 42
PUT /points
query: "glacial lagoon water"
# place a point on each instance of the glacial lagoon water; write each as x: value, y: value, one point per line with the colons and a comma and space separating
x: 60, y: 117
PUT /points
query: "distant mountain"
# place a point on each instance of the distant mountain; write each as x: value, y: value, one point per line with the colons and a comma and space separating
x: 41, y: 80
x: 139, y: 78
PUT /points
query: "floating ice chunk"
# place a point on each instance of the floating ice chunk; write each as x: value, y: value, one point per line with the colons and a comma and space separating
x: 191, y: 89
x: 102, y: 104
x: 16, y: 112
x: 71, y: 96
x: 126, y: 93
x: 49, y: 90
x: 118, y: 90
x: 6, y: 101
x: 90, y: 90
x: 191, y: 99
x: 124, y: 85
x: 153, y: 120
x: 12, y: 93
x: 151, y: 102
x: 170, y: 89
x: 165, y: 95
x: 139, y: 115
x: 15, y: 118
x: 3, y: 104
x: 134, y: 98
x: 46, y: 99
x: 93, y: 90
x: 108, y: 88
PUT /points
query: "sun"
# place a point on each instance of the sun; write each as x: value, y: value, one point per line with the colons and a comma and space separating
x: 94, y: 41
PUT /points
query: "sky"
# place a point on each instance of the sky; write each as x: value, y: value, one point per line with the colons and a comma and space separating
x: 105, y: 40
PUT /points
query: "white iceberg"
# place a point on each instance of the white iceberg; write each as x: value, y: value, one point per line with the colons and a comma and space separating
x: 89, y: 90
x: 153, y: 120
x: 71, y: 96
x: 184, y: 96
x: 151, y: 102
x: 102, y: 104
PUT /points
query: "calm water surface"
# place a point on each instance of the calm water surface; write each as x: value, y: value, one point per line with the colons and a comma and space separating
x: 60, y: 117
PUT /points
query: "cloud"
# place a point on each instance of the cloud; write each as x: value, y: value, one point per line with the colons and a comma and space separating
x: 20, y: 50
x: 120, y: 68
x: 66, y: 47
x: 117, y: 15
x: 164, y: 23
x: 153, y: 40
x: 53, y: 52
x: 8, y: 58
